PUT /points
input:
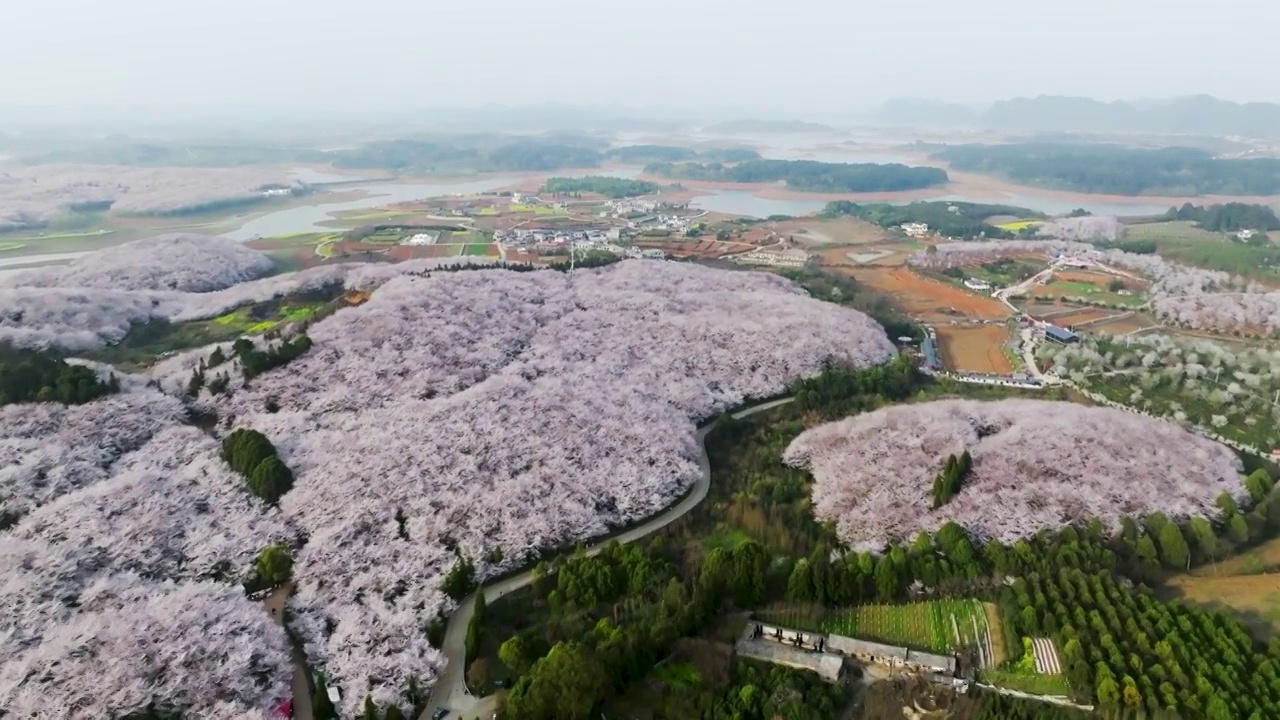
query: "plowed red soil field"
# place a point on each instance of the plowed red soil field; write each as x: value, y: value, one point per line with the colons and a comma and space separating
x: 978, y: 348
x: 929, y: 299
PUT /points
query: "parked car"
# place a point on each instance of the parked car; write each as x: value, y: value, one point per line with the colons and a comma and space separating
x: 439, y: 714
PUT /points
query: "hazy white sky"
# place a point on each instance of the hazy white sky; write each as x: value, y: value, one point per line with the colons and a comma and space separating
x: 806, y: 55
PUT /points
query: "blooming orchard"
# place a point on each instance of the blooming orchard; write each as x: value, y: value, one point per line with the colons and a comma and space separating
x: 187, y: 263
x: 31, y: 196
x: 1036, y: 465
x: 499, y: 411
x: 484, y: 414
x: 96, y: 300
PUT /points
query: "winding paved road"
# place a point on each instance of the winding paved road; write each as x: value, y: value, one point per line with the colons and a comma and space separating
x: 450, y: 691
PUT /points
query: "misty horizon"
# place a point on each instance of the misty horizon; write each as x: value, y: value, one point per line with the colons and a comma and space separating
x: 804, y: 58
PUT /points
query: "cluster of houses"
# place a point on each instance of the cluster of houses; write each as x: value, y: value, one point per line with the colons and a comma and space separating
x: 826, y: 655
x: 776, y: 257
x: 628, y: 207
x: 546, y: 239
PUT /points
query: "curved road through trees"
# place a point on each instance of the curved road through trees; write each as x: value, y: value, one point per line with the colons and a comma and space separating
x: 450, y: 691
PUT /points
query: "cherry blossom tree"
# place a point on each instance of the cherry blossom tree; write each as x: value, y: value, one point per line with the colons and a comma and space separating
x: 1036, y: 465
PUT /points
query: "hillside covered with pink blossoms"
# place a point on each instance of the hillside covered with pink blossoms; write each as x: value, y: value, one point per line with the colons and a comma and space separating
x: 1036, y: 465
x: 496, y: 413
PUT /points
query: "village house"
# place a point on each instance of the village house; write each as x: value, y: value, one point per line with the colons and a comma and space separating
x: 915, y: 230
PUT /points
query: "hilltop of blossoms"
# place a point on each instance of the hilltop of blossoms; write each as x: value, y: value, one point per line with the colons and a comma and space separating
x: 1036, y: 465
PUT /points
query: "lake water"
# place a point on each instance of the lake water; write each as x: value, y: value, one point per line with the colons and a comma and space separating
x: 308, y: 217
x: 747, y: 203
x: 24, y: 260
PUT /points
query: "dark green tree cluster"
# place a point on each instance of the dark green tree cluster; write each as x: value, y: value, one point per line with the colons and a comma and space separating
x: 640, y: 154
x: 41, y: 376
x: 254, y: 362
x: 1137, y: 247
x: 967, y: 220
x: 251, y: 454
x: 610, y: 187
x: 1117, y: 170
x: 614, y: 616
x: 808, y: 175
x: 475, y: 628
x: 755, y: 691
x: 838, y: 392
x: 948, y: 482
x: 460, y: 580
x: 1230, y: 217
x: 1125, y: 650
x: 273, y: 566
x: 846, y: 291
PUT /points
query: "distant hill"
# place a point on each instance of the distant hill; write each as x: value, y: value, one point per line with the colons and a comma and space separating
x: 767, y: 126
x: 1192, y: 115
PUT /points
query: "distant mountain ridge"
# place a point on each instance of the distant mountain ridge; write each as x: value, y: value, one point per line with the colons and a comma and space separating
x: 767, y: 126
x: 1191, y: 115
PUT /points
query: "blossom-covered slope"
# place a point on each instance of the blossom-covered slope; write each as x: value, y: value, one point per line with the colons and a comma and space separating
x: 1036, y: 464
x: 186, y: 263
x: 96, y: 300
x: 494, y: 410
x: 33, y: 195
x: 114, y: 513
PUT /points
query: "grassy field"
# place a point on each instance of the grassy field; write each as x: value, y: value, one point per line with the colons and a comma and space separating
x: 490, y: 211
x: 6, y: 246
x: 389, y: 236
x: 1184, y: 242
x: 1254, y: 599
x: 922, y: 625
x: 1088, y: 291
x: 144, y: 344
x: 1032, y: 682
x: 476, y: 249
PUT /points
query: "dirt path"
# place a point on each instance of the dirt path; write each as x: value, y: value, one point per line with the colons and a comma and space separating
x: 450, y: 690
x: 274, y: 603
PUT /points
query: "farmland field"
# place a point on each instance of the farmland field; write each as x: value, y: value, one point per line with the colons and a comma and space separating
x: 1019, y: 225
x: 978, y: 348
x: 930, y: 299
x: 6, y: 246
x: 1255, y: 599
x: 1132, y: 323
x: 922, y: 625
x: 479, y: 249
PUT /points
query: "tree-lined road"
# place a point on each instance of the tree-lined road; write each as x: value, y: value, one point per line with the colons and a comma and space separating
x: 450, y: 691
